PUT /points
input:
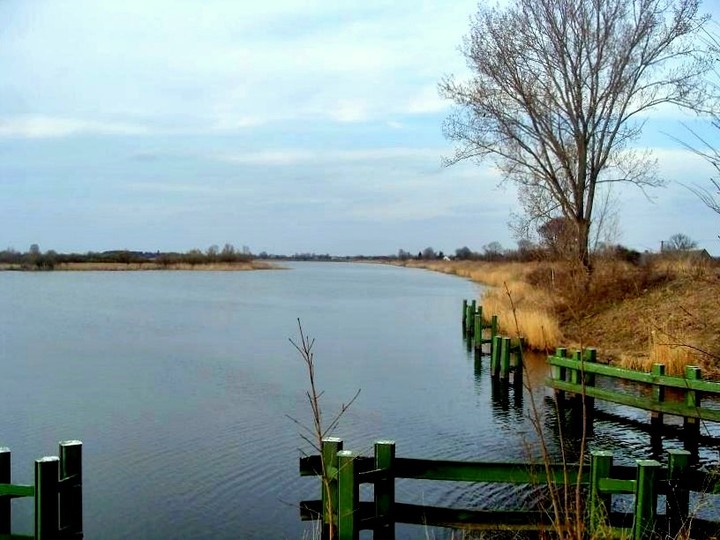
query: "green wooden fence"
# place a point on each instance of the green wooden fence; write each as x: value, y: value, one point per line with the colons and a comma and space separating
x: 341, y: 509
x: 574, y: 378
x: 57, y: 492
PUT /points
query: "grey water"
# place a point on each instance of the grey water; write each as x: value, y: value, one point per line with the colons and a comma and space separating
x: 190, y: 399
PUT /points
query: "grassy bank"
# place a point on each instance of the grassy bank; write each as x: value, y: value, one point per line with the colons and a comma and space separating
x: 665, y: 310
x: 147, y: 266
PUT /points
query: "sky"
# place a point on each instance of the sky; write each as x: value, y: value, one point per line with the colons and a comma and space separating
x: 285, y: 126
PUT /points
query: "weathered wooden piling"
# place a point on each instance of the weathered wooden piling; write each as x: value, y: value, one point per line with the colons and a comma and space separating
x: 677, y: 502
x: 384, y: 490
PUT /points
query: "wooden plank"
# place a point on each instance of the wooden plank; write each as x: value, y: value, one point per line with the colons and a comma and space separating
x: 672, y: 408
x: 464, y: 471
x: 17, y: 490
x: 472, y: 519
x: 616, y: 486
x: 637, y: 376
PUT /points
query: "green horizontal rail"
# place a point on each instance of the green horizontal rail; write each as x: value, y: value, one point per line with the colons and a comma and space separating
x: 616, y: 485
x: 639, y: 402
x: 17, y: 490
x: 17, y: 537
x: 668, y: 381
x: 464, y: 471
x: 458, y: 471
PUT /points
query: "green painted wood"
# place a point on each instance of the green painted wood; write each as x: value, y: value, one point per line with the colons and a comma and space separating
x: 477, y: 520
x: 505, y: 358
x: 464, y: 314
x: 495, y: 356
x: 71, y: 490
x: 678, y: 496
x: 5, y: 478
x: 17, y: 490
x: 672, y: 408
x: 615, y: 486
x: 47, y: 472
x: 493, y: 327
x: 348, y: 497
x: 681, y: 383
x: 467, y: 471
x: 384, y: 490
x: 658, y: 395
x: 646, y: 499
x: 330, y: 447
x: 600, y: 503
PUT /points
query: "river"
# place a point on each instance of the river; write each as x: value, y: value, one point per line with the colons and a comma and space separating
x: 187, y: 393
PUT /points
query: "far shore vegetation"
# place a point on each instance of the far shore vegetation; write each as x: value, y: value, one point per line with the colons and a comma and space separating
x: 213, y: 259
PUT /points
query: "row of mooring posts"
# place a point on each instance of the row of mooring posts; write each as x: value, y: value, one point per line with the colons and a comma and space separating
x: 506, y: 355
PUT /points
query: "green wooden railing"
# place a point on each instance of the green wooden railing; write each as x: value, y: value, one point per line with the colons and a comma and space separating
x: 574, y: 378
x: 341, y: 509
x: 57, y: 492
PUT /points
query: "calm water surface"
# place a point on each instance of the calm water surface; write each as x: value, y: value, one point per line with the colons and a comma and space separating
x: 180, y: 385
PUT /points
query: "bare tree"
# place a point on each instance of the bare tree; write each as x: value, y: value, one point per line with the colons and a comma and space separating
x: 679, y: 242
x: 559, y: 90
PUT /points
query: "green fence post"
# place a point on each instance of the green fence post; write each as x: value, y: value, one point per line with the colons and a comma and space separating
x: 348, y: 495
x: 464, y: 315
x: 478, y: 331
x: 495, y: 356
x: 646, y: 494
x: 588, y: 380
x: 559, y: 373
x: 5, y: 478
x: 600, y: 503
x: 71, y: 514
x: 384, y: 490
x: 678, y: 496
x: 505, y: 359
x: 47, y: 470
x: 469, y: 317
x: 493, y: 328
x: 658, y: 394
x: 691, y: 426
x: 329, y: 454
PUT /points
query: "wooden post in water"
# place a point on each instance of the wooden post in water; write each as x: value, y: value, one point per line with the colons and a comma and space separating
x: 71, y: 514
x: 600, y: 503
x: 348, y: 497
x: 47, y: 471
x: 464, y: 315
x: 505, y: 359
x: 478, y: 331
x: 646, y: 495
x: 658, y: 394
x: 469, y: 318
x: 329, y: 454
x: 495, y: 356
x: 384, y: 490
x: 691, y: 426
x: 493, y: 330
x: 5, y: 476
x: 678, y: 495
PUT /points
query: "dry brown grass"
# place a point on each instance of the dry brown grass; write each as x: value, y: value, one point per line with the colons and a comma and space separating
x: 665, y: 310
x: 533, y: 305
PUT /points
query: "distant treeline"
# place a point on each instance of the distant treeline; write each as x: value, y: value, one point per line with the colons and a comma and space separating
x: 34, y: 259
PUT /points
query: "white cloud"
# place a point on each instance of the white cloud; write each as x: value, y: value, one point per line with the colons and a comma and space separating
x: 35, y: 127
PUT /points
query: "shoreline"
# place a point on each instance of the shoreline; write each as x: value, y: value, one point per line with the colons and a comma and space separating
x: 145, y: 267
